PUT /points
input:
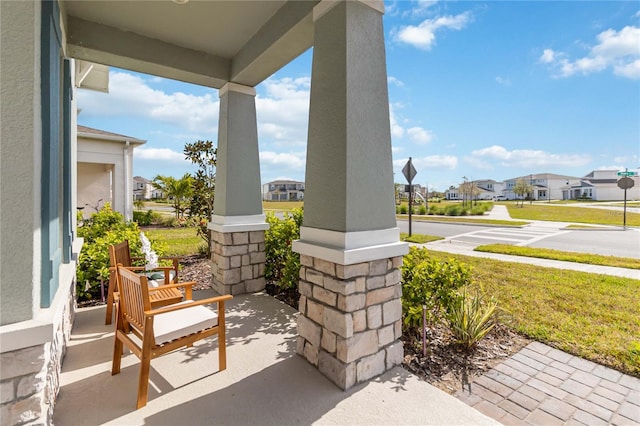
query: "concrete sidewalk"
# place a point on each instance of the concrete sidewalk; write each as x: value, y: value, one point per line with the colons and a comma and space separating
x: 265, y: 382
x: 467, y: 250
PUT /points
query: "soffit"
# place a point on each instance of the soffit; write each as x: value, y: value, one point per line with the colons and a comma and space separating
x: 219, y: 28
x: 202, y: 42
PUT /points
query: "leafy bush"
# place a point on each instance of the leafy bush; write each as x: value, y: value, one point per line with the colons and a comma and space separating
x: 436, y: 210
x: 454, y: 210
x: 404, y: 209
x: 471, y: 318
x: 144, y: 218
x: 102, y: 229
x: 431, y: 282
x: 422, y: 210
x: 283, y: 265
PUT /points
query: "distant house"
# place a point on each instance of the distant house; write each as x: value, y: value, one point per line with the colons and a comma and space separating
x: 143, y: 189
x: 283, y: 190
x: 546, y: 186
x: 105, y: 170
x: 602, y: 185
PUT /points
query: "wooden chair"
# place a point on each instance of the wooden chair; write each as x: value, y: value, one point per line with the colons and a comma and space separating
x: 120, y: 254
x: 162, y: 330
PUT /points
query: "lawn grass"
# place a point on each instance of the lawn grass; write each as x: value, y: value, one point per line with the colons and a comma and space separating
x: 419, y: 238
x: 179, y: 241
x: 281, y: 206
x: 572, y: 214
x: 542, y: 253
x: 462, y: 219
x: 589, y: 315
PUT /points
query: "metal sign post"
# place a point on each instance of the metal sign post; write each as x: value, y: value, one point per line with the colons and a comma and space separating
x: 409, y: 172
x: 625, y: 183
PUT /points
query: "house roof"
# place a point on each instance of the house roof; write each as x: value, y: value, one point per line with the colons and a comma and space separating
x: 141, y: 179
x: 90, y: 132
x: 542, y: 176
x: 281, y: 182
x: 601, y: 180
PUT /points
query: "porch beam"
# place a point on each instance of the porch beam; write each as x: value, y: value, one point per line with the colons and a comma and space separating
x: 285, y: 36
x: 94, y: 42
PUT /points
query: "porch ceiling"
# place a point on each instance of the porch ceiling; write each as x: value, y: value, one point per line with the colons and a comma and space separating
x: 203, y: 42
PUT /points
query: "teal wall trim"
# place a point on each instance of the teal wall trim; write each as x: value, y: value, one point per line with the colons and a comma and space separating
x: 67, y: 226
x: 51, y: 185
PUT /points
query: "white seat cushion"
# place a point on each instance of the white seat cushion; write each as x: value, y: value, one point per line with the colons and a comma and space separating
x: 180, y: 323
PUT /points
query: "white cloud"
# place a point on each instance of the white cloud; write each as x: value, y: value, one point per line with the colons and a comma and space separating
x: 131, y: 95
x: 292, y: 96
x: 503, y: 81
x: 423, y: 35
x: 397, y: 131
x: 419, y: 135
x: 395, y: 81
x: 630, y: 70
x: 290, y: 161
x: 421, y: 8
x: 163, y: 154
x: 618, y: 50
x: 428, y: 163
x: 548, y: 56
x: 526, y: 158
x: 396, y: 149
x: 631, y: 161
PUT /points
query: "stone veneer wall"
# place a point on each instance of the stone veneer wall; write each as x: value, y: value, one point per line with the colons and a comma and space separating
x: 350, y: 320
x: 238, y: 261
x: 30, y: 376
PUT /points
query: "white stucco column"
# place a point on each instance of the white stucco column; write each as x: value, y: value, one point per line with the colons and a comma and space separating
x: 350, y: 312
x: 238, y: 223
x: 128, y: 180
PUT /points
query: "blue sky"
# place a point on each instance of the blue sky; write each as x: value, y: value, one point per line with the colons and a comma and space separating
x: 486, y: 90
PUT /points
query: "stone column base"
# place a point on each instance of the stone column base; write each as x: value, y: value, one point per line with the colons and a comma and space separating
x: 238, y: 261
x: 350, y: 320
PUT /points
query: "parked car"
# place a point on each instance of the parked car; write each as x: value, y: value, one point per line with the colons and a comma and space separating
x: 499, y: 198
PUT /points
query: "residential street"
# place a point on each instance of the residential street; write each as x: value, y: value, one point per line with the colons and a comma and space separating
x: 551, y: 235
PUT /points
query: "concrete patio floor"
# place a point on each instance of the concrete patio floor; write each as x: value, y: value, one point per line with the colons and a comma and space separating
x: 265, y: 382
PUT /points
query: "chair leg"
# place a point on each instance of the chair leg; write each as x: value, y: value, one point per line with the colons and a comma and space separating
x: 222, y: 339
x: 117, y: 356
x: 143, y: 381
x: 112, y: 280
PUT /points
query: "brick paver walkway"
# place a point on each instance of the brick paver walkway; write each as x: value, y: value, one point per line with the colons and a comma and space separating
x: 541, y: 385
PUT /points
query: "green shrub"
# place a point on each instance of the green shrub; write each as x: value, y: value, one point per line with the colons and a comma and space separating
x: 283, y: 265
x: 422, y: 210
x: 436, y: 210
x: 471, y: 318
x: 102, y: 229
x: 431, y: 282
x: 453, y: 210
x: 404, y: 209
x: 144, y: 218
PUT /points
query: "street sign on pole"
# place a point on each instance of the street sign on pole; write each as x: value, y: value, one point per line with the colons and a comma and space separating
x: 626, y: 173
x: 625, y: 183
x: 409, y: 172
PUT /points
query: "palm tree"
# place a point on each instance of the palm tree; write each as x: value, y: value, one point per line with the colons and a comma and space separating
x: 177, y: 190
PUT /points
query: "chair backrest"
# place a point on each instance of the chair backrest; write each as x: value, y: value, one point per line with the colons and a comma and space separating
x: 134, y: 297
x: 119, y: 254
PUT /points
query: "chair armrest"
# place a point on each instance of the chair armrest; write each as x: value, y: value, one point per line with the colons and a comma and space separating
x: 166, y: 286
x: 187, y: 288
x: 171, y: 308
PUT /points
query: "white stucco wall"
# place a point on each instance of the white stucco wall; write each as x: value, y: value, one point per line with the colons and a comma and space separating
x: 94, y: 183
x: 20, y: 160
x: 106, y: 153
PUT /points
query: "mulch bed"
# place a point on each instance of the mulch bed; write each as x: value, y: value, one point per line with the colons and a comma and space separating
x: 449, y: 367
